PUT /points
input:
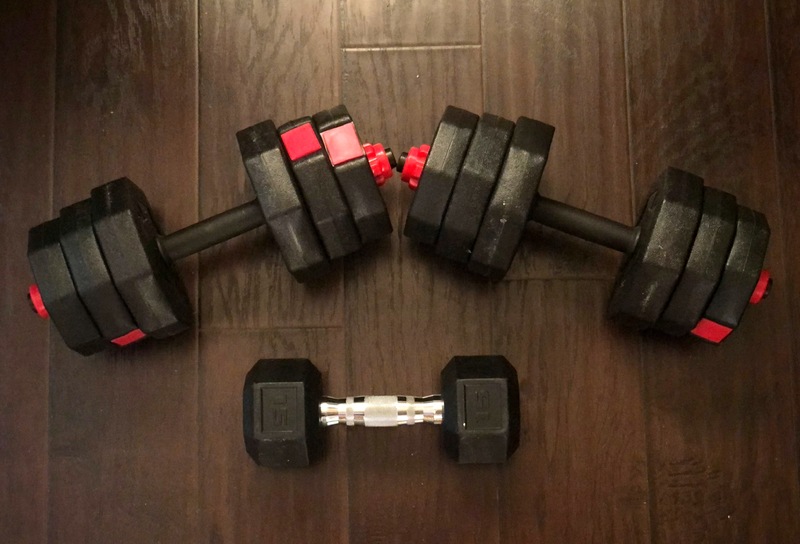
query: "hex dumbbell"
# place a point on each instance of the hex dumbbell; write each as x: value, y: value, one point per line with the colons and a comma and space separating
x: 284, y: 412
x: 104, y: 272
x: 695, y: 259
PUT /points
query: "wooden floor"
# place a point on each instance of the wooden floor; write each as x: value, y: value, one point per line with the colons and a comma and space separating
x: 626, y: 437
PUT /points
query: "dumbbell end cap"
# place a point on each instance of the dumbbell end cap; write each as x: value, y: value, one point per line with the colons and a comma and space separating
x: 35, y: 300
x: 763, y: 287
x: 381, y: 162
x: 412, y: 164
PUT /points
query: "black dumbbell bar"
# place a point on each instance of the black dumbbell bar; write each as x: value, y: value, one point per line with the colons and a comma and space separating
x: 694, y: 260
x: 104, y: 273
x: 284, y: 412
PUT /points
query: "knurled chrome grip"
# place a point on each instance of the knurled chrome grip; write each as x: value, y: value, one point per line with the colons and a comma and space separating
x: 381, y: 410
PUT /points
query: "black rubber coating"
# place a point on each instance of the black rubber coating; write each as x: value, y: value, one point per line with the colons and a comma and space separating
x: 473, y: 187
x: 128, y: 238
x: 742, y: 269
x: 667, y: 229
x: 507, y: 214
x: 357, y: 183
x: 481, y: 409
x: 280, y: 413
x: 90, y: 273
x: 281, y: 202
x: 439, y: 175
x: 60, y: 298
x: 705, y: 264
x: 324, y: 199
x: 212, y: 231
x: 583, y: 224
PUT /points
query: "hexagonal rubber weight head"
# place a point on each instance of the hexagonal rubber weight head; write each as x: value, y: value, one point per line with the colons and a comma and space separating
x: 667, y: 229
x: 481, y: 409
x: 279, y: 197
x: 128, y: 238
x: 281, y: 413
x: 444, y: 161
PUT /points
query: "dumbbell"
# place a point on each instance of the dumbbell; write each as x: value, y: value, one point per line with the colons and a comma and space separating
x: 694, y: 261
x: 284, y: 412
x: 104, y: 272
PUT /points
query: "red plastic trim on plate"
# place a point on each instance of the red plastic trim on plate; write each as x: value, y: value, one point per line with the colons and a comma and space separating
x: 300, y: 141
x: 342, y: 144
x: 133, y: 336
x: 711, y: 331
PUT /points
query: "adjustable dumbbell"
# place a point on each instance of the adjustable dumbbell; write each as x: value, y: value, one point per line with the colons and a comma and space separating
x: 284, y: 412
x: 694, y: 260
x: 105, y: 274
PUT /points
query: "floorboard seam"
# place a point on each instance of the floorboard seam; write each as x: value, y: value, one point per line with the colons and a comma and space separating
x: 794, y: 345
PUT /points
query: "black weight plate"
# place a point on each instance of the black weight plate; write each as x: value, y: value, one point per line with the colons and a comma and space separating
x: 667, y: 228
x: 272, y: 180
x: 60, y: 298
x: 356, y: 179
x: 473, y: 187
x: 90, y: 273
x: 507, y: 214
x: 441, y: 169
x: 705, y: 265
x: 128, y: 238
x: 323, y: 196
x: 742, y: 269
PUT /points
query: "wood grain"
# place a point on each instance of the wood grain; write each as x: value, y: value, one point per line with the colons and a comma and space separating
x: 410, y: 22
x: 26, y: 181
x: 405, y: 320
x: 580, y: 474
x: 723, y: 465
x: 123, y: 426
x: 259, y: 60
x: 784, y: 22
x: 242, y: 502
x: 563, y: 63
x: 626, y: 437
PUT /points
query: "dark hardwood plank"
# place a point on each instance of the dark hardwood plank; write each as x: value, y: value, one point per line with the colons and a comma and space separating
x: 407, y: 315
x: 259, y: 60
x: 242, y: 502
x: 123, y: 426
x: 27, y: 62
x: 410, y: 22
x: 784, y: 22
x: 563, y: 63
x: 722, y: 442
x: 580, y: 474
